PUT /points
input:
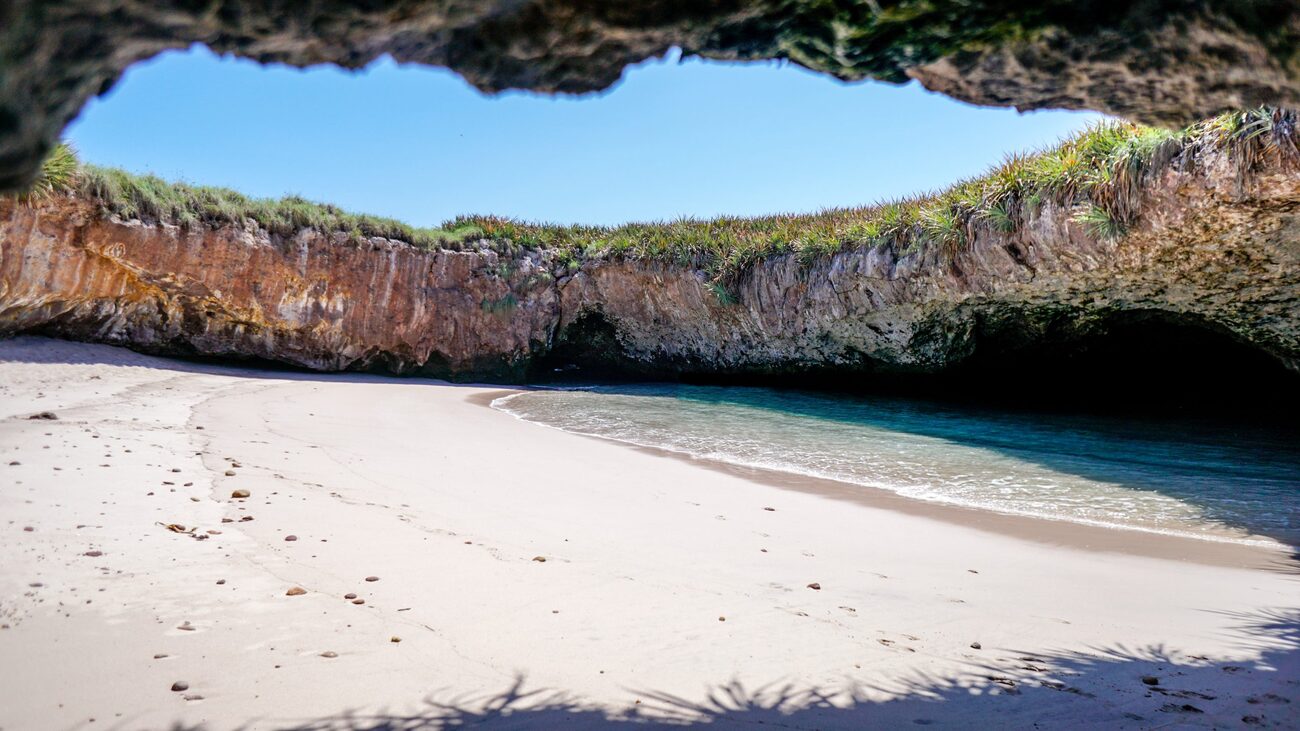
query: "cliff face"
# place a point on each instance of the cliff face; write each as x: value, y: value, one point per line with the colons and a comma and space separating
x: 1163, y: 62
x: 1215, y: 248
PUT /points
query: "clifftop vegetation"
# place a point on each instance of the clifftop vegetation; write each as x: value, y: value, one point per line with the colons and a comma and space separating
x: 1099, y: 174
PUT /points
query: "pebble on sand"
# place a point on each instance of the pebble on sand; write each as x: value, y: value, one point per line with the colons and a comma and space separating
x: 240, y: 493
x: 180, y: 685
x: 349, y: 595
x: 975, y: 646
x: 329, y: 653
x: 220, y: 582
x: 539, y: 559
x: 291, y: 538
x: 358, y: 601
x: 372, y: 578
x: 94, y: 554
x: 295, y: 591
x: 815, y: 586
x: 394, y: 638
x: 230, y: 473
x: 1150, y: 680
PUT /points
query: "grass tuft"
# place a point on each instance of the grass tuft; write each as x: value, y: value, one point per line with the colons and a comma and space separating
x: 1101, y: 173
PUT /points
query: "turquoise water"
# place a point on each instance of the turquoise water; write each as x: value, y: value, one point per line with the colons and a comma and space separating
x: 1210, y: 482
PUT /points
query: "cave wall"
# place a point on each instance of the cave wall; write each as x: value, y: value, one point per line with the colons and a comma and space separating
x: 1214, y: 247
x: 1158, y: 61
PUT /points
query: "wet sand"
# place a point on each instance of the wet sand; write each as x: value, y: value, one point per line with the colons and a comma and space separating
x: 537, y: 579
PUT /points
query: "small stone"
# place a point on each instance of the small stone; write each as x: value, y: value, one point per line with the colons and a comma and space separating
x: 372, y: 578
x: 722, y: 619
x: 770, y: 510
x: 815, y: 586
x: 180, y: 685
x: 14, y: 463
x: 1150, y: 680
x: 358, y: 601
x: 349, y: 595
x: 28, y: 528
x: 44, y: 416
x: 245, y: 518
x: 186, y: 626
x: 194, y: 499
x: 394, y: 638
x: 295, y: 591
x: 976, y: 646
x: 291, y: 538
x: 192, y: 697
x: 176, y: 469
x: 230, y: 473
x: 329, y: 653
x: 160, y: 656
x: 227, y: 520
x: 539, y: 559
x: 221, y: 582
x: 240, y: 494
x: 214, y: 532
x: 94, y: 554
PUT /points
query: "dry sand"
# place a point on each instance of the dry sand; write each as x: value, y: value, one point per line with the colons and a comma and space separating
x: 451, y: 505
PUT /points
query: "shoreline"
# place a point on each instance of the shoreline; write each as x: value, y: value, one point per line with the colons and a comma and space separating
x: 406, y: 558
x: 1062, y: 533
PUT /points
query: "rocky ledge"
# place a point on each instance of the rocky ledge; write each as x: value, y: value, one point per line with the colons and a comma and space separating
x: 1215, y: 245
x: 1164, y: 62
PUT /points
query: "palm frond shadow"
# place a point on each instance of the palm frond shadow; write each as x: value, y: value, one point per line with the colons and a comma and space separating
x: 1098, y: 687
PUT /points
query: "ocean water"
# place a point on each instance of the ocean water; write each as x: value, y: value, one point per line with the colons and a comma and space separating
x: 1213, y: 482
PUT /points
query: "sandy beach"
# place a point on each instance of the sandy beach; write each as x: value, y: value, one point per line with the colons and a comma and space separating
x: 508, y: 575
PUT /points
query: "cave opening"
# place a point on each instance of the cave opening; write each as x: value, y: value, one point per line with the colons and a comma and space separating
x: 1147, y: 364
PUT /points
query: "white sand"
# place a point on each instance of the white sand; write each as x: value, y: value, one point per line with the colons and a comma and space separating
x: 448, y: 503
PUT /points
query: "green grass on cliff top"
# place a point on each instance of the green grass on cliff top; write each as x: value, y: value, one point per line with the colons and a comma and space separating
x: 1098, y: 173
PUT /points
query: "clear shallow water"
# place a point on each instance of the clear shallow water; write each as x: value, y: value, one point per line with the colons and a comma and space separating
x: 1201, y: 481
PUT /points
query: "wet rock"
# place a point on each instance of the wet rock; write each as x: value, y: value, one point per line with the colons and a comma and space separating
x: 296, y: 591
x: 180, y: 685
x: 1150, y: 680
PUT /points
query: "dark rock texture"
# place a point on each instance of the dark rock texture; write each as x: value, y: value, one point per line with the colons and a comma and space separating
x: 1214, y: 247
x: 1159, y: 61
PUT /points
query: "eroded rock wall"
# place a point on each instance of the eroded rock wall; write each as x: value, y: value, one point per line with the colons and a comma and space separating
x: 1214, y: 248
x: 1164, y: 62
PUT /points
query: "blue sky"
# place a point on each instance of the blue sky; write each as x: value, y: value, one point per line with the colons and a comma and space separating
x: 673, y: 139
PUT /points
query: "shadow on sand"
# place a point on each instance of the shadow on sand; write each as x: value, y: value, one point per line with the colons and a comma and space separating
x: 1101, y: 688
